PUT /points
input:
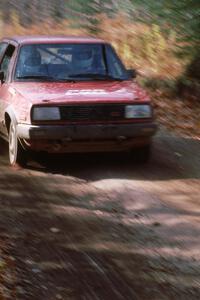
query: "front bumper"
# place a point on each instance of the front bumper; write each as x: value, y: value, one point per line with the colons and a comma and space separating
x: 85, y: 132
x: 86, y: 138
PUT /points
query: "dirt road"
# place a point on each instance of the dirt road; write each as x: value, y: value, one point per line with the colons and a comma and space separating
x: 101, y: 226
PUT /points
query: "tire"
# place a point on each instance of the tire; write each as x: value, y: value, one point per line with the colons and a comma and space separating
x: 17, y: 154
x: 142, y: 154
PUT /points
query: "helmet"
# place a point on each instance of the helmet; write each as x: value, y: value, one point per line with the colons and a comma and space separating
x: 83, y: 59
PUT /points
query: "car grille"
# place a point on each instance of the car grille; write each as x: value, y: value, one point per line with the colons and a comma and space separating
x: 98, y: 112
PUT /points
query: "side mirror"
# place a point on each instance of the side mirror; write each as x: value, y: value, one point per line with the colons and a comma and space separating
x: 132, y: 73
x: 2, y: 76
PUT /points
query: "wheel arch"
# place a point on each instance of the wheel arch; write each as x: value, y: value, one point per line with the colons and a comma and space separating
x: 8, y: 117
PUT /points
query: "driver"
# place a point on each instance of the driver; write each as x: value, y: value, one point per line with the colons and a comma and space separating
x: 83, y: 61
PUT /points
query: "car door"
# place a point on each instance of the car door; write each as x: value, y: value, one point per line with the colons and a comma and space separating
x: 6, y: 54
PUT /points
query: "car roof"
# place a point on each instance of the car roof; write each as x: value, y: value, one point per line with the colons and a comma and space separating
x: 50, y: 39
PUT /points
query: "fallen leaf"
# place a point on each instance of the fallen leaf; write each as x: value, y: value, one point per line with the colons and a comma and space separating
x: 54, y: 229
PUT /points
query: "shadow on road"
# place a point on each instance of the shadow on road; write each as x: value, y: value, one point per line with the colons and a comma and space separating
x: 172, y: 158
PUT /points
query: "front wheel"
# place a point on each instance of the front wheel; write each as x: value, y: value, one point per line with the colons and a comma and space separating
x: 17, y: 154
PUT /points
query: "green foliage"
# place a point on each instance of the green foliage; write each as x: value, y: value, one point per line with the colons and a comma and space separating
x: 167, y: 86
x: 181, y: 15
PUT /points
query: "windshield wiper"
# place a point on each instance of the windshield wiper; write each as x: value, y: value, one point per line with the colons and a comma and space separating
x: 36, y: 77
x: 46, y: 77
x: 95, y: 76
x: 65, y: 80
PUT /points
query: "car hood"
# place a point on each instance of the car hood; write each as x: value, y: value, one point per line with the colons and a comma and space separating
x: 98, y: 91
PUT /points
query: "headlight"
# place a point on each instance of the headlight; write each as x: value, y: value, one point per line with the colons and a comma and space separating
x: 46, y: 113
x: 138, y: 111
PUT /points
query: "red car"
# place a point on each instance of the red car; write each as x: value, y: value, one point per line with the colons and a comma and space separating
x: 70, y: 94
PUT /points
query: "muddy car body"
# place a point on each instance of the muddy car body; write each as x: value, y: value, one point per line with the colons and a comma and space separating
x: 70, y: 94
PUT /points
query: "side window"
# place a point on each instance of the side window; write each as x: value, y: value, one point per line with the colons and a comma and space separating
x: 115, y: 66
x: 6, y: 60
x: 2, y: 49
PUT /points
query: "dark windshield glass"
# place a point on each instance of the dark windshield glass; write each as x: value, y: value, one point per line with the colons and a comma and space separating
x: 68, y: 61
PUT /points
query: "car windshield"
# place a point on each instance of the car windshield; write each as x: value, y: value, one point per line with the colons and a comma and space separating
x: 55, y: 62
